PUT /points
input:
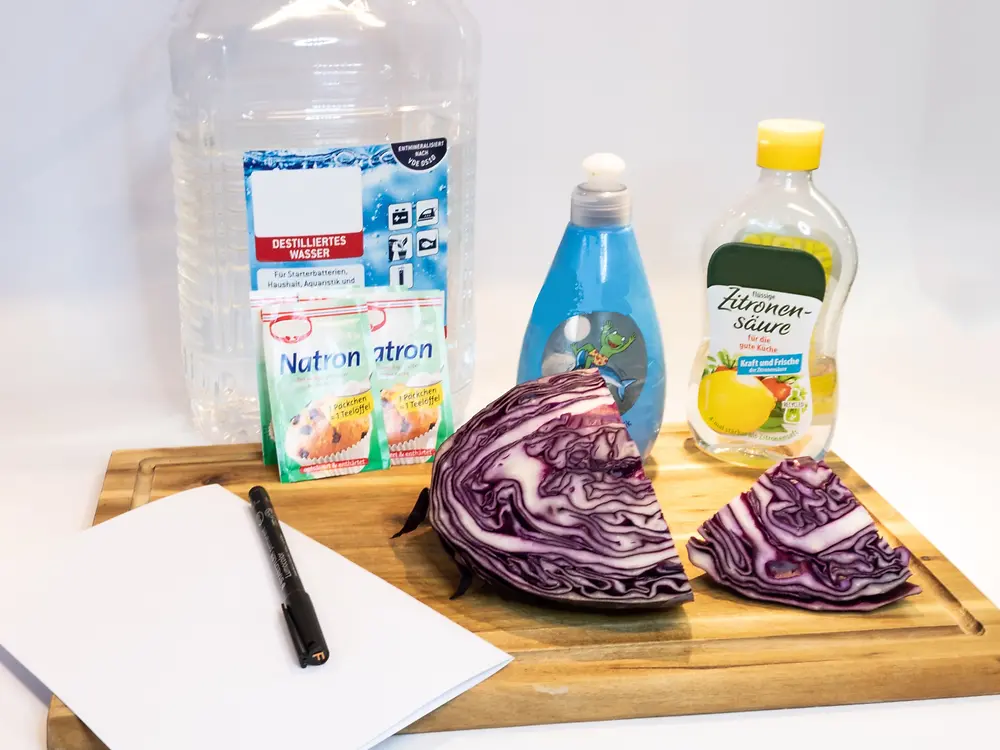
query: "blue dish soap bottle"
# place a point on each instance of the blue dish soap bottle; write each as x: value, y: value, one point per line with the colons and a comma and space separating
x: 595, y: 309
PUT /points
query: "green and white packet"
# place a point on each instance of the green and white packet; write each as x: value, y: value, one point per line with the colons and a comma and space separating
x: 259, y: 301
x: 411, y: 363
x: 318, y: 355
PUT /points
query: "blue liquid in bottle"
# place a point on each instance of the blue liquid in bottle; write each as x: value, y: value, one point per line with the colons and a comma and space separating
x: 595, y: 309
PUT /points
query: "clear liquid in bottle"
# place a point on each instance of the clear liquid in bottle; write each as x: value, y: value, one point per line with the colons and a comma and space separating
x: 304, y: 75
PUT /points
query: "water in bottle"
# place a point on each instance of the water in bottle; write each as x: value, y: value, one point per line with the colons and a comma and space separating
x: 265, y: 86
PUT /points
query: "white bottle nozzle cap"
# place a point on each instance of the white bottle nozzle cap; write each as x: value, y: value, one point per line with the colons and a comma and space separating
x: 604, y: 172
x: 603, y: 200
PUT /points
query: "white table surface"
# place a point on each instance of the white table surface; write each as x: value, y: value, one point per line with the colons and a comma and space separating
x: 919, y: 404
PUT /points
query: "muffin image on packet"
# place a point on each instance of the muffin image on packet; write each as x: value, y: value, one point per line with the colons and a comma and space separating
x: 327, y: 421
x: 411, y: 361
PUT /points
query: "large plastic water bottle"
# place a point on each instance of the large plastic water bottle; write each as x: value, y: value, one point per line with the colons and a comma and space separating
x: 252, y: 75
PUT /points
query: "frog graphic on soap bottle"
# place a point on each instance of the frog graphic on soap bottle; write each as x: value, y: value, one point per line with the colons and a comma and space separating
x: 595, y: 309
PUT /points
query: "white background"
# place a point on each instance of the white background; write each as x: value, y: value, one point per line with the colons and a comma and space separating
x: 908, y: 89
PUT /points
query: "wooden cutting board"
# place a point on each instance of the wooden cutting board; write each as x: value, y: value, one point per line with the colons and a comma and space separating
x: 718, y: 653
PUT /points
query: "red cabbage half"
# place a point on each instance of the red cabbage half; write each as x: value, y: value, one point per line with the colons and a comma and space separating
x: 543, y: 493
x: 800, y: 537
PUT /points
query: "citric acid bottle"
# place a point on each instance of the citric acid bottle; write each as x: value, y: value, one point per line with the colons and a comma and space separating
x: 778, y: 269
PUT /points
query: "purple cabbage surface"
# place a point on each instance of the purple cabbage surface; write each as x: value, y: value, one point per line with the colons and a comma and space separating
x: 543, y: 493
x: 800, y: 537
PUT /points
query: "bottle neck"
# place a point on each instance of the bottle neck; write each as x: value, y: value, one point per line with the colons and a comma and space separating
x: 603, y: 209
x: 785, y: 179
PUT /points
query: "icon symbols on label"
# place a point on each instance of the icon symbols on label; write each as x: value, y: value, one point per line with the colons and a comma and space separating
x: 400, y: 247
x: 427, y: 213
x: 427, y: 242
x: 401, y: 276
x: 401, y: 216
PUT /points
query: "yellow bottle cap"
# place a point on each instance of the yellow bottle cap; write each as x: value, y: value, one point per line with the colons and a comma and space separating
x: 792, y: 145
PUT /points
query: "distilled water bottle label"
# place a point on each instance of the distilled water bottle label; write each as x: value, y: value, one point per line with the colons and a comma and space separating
x: 370, y: 216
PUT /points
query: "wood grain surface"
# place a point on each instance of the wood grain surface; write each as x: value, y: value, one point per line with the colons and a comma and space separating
x: 718, y: 653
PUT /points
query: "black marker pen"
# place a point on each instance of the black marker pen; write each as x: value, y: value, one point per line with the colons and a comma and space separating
x: 307, y: 636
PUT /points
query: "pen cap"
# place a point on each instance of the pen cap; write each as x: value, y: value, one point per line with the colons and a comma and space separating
x: 303, y: 625
x: 259, y: 497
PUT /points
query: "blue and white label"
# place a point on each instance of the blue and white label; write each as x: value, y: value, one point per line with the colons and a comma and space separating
x: 786, y: 364
x: 371, y: 216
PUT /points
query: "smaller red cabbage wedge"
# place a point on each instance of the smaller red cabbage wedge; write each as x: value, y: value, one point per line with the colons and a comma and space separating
x: 800, y: 537
x: 542, y: 493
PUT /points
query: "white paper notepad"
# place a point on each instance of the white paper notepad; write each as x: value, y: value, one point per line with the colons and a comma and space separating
x: 162, y: 629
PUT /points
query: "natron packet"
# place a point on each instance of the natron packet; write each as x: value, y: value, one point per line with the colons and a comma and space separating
x: 327, y: 422
x: 260, y: 301
x: 411, y: 362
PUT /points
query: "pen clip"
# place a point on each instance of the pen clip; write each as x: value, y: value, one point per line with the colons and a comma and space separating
x: 297, y: 642
x: 303, y: 625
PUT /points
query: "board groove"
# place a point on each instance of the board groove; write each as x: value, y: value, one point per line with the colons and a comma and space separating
x: 718, y: 653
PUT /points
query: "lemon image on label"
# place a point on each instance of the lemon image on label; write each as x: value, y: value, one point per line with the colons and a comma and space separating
x: 733, y: 404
